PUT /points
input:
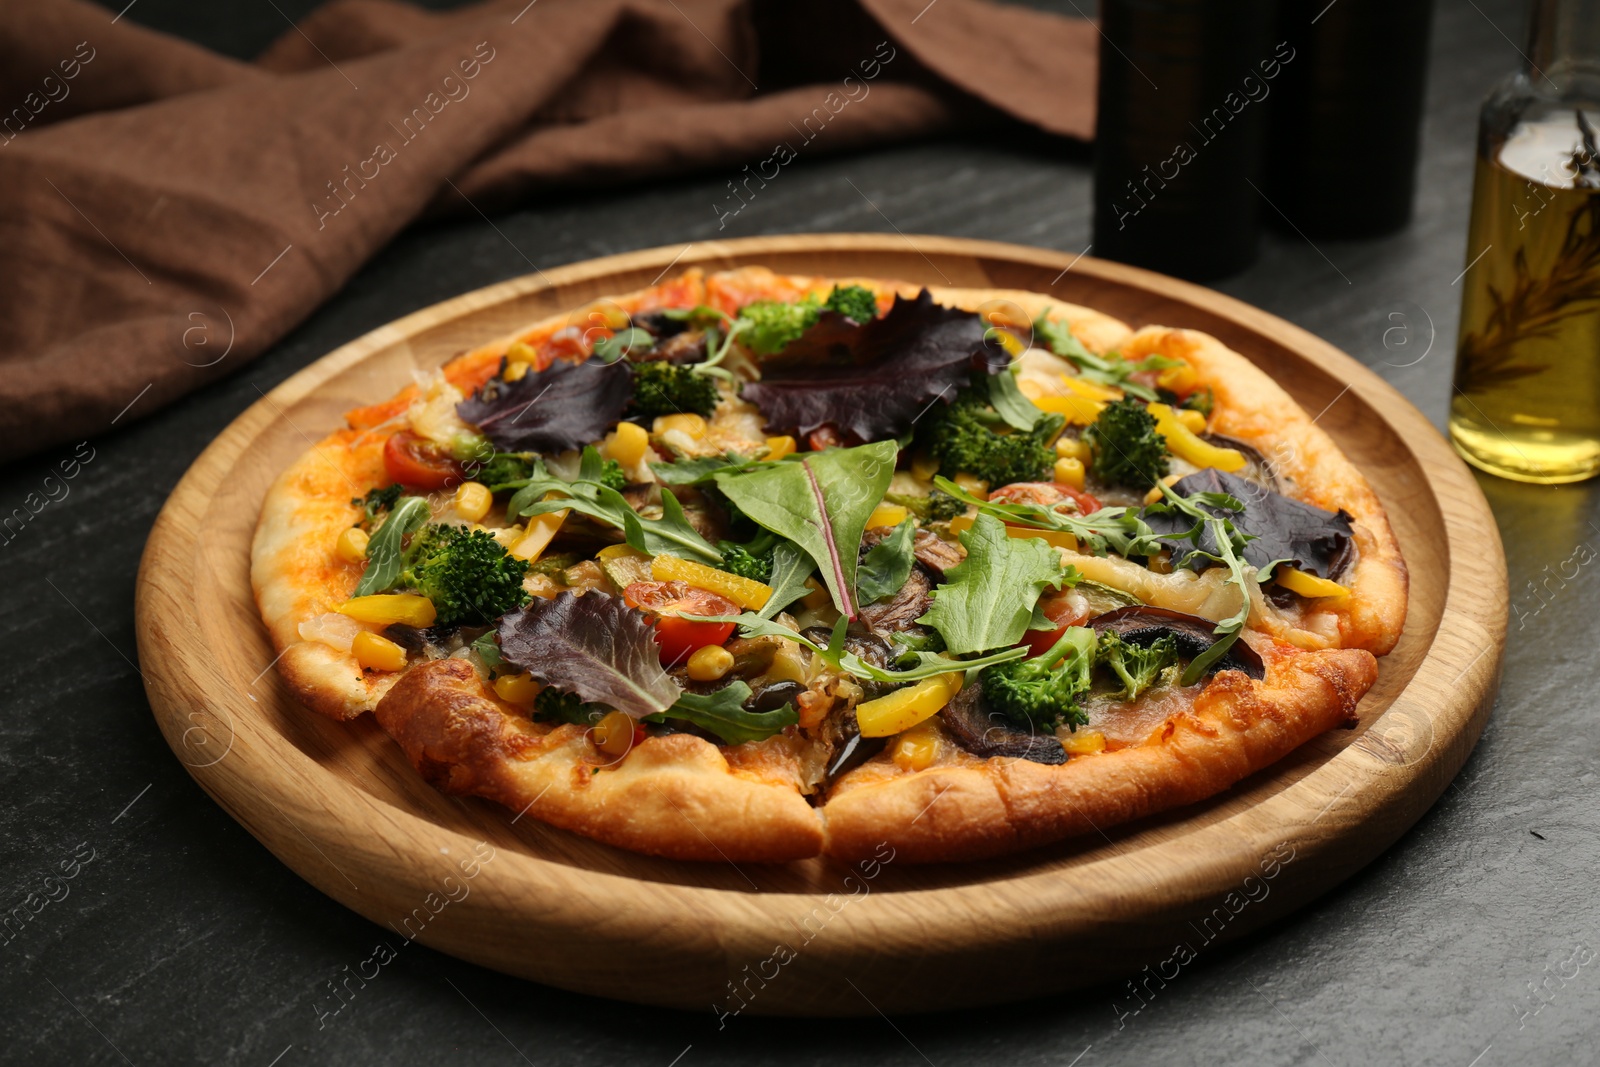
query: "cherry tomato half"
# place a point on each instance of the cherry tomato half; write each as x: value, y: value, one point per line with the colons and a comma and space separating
x: 1088, y: 503
x: 678, y: 636
x: 1066, y: 610
x: 1045, y: 494
x: 417, y: 462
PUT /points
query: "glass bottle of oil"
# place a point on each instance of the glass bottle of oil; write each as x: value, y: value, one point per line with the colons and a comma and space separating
x: 1526, y: 403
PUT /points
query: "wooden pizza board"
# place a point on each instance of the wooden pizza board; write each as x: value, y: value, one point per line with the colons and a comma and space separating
x: 340, y: 805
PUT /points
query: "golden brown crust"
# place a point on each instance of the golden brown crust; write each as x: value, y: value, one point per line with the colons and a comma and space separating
x: 675, y: 796
x: 966, y: 812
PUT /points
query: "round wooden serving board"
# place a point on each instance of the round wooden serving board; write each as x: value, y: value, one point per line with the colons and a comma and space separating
x: 341, y: 806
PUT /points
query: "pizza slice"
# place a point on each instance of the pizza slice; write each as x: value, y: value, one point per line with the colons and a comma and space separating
x: 756, y: 567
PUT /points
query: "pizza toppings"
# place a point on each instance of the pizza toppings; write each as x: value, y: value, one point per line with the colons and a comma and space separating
x: 415, y: 461
x: 872, y: 380
x: 671, y: 607
x: 565, y: 406
x: 1279, y: 530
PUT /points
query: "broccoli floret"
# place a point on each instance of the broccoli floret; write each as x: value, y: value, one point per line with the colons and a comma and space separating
x: 1137, y: 666
x: 853, y: 301
x: 1035, y: 692
x: 503, y: 470
x: 468, y: 576
x: 556, y: 705
x: 967, y: 437
x: 662, y: 388
x: 1127, y: 450
x: 942, y: 507
x: 611, y: 475
x: 771, y: 324
x: 1201, y: 400
x: 376, y: 500
x: 751, y: 560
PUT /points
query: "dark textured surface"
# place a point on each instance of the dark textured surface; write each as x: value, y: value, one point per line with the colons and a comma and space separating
x: 184, y: 941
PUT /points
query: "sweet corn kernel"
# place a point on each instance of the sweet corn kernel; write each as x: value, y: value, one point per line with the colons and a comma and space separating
x: 684, y: 422
x: 517, y: 688
x: 1179, y: 379
x: 384, y: 609
x: 352, y: 545
x: 915, y: 749
x: 976, y: 486
x: 1073, y: 448
x: 709, y: 663
x: 377, y: 653
x: 521, y: 352
x: 516, y: 371
x: 1069, y: 472
x: 924, y: 467
x: 778, y: 447
x: 472, y: 500
x: 886, y: 515
x: 626, y: 444
x: 1084, y: 742
x: 1193, y: 421
x: 613, y: 734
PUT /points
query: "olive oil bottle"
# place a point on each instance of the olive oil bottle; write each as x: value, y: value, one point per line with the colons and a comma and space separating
x: 1526, y: 403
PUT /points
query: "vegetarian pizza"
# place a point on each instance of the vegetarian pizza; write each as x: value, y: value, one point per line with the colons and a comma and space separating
x: 755, y: 567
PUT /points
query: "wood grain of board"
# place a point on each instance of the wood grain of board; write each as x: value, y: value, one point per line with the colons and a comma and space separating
x: 340, y: 805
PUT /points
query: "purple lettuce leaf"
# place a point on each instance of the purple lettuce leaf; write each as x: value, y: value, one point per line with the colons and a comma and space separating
x: 565, y: 406
x: 593, y: 645
x: 874, y: 380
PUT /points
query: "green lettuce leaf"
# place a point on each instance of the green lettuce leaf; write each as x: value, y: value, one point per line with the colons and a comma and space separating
x: 987, y: 599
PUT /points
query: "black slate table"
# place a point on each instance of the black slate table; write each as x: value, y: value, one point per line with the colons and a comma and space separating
x: 1472, y: 942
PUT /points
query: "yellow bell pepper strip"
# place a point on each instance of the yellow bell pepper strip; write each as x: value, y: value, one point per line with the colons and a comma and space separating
x: 1058, y: 538
x: 886, y: 515
x: 778, y: 447
x: 378, y: 653
x: 745, y: 592
x: 1183, y: 443
x: 1079, y: 410
x: 383, y: 609
x: 904, y: 708
x: 541, y: 531
x: 1309, y: 585
x: 1092, y: 390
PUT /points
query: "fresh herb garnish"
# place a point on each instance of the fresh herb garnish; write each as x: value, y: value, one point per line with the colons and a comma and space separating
x: 1114, y: 529
x: 887, y: 565
x: 722, y: 713
x: 375, y: 502
x: 594, y: 646
x: 926, y: 664
x: 386, y: 549
x: 1113, y: 371
x: 588, y: 495
x: 987, y: 600
x: 1010, y: 404
x: 561, y: 407
x: 820, y: 502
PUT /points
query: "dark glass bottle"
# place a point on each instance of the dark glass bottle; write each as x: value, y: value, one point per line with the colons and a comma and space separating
x: 1182, y: 123
x: 1342, y: 150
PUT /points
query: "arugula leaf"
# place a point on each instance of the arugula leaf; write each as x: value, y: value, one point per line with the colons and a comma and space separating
x: 622, y: 343
x: 987, y: 600
x: 1017, y: 410
x: 1117, y: 529
x: 820, y: 502
x: 790, y: 569
x: 887, y: 565
x: 928, y: 664
x: 1113, y: 372
x: 594, y: 646
x: 671, y: 534
x: 695, y: 471
x: 385, y: 557
x: 723, y: 714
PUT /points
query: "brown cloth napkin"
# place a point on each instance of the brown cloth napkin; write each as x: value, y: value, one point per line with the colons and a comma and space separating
x: 166, y: 214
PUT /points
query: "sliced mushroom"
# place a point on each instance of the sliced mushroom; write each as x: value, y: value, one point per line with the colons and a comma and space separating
x: 1192, y: 634
x: 985, y: 732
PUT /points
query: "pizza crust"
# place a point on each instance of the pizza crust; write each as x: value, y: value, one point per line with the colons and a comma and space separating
x: 675, y: 796
x: 975, y: 811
